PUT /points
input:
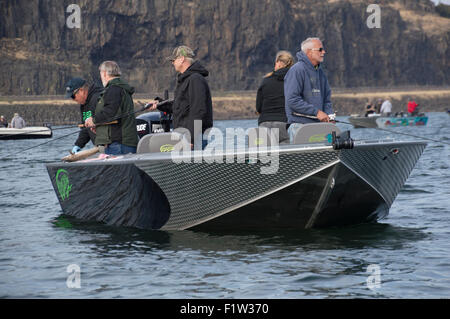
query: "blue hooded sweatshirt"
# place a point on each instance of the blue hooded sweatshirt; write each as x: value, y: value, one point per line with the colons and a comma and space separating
x: 306, y: 91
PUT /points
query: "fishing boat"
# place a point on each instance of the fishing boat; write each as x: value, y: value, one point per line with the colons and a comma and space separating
x: 29, y: 132
x: 322, y: 179
x: 381, y: 121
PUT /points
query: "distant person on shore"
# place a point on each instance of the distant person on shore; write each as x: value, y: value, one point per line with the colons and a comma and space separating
x: 306, y: 87
x: 17, y: 121
x: 270, y: 96
x: 413, y: 108
x: 87, y: 96
x: 3, y: 121
x: 386, y: 107
x: 114, y: 121
x: 192, y: 99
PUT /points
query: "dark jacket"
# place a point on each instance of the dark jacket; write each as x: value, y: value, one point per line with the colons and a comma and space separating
x: 87, y: 110
x: 192, y: 100
x: 306, y: 91
x: 116, y: 103
x: 270, y: 98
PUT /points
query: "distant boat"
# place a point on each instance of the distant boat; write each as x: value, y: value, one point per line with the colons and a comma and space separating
x: 378, y: 120
x: 25, y: 133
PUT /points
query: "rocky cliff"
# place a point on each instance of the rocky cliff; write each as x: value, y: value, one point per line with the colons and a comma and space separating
x: 235, y: 39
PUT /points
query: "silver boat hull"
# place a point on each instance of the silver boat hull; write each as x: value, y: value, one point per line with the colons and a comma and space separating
x: 313, y: 186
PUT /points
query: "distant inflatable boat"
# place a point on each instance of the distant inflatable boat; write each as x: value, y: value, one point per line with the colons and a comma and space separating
x: 25, y: 133
x: 377, y: 120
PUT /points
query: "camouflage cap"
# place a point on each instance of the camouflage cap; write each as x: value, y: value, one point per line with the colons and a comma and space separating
x: 182, y: 50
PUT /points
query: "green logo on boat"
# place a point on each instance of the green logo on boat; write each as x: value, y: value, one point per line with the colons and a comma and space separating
x: 62, y: 183
x: 166, y: 148
x: 320, y: 138
x: 259, y: 141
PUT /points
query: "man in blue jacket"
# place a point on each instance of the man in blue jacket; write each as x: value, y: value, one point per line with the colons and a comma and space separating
x: 306, y: 87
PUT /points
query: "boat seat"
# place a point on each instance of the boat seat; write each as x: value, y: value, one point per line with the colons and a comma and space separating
x: 161, y: 142
x: 259, y: 137
x: 314, y: 133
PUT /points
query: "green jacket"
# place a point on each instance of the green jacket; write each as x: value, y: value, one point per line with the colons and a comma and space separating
x: 116, y: 103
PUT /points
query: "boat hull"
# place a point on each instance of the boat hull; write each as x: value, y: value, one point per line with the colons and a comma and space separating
x: 31, y: 132
x: 387, y: 121
x: 308, y: 187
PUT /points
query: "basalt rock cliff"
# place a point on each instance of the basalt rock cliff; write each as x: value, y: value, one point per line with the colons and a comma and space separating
x: 235, y: 39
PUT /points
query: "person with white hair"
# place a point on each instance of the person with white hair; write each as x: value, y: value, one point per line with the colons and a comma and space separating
x: 306, y: 87
x: 17, y: 121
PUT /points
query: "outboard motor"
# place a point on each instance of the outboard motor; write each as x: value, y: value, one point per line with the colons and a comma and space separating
x: 154, y: 122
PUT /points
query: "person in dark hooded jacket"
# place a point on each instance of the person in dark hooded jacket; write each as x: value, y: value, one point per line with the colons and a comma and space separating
x: 270, y: 96
x: 87, y: 96
x: 192, y: 99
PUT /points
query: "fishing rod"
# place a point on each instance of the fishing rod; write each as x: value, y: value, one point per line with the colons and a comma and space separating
x: 113, y: 121
x: 53, y: 129
x: 333, y: 118
x: 29, y: 148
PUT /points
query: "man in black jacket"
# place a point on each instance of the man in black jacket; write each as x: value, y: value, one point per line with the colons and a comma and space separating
x: 87, y: 96
x: 192, y: 100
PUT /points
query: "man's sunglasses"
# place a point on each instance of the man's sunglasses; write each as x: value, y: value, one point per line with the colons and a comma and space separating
x: 319, y: 49
x: 74, y: 93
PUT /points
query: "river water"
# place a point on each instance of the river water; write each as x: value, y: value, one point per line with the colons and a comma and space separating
x: 44, y: 254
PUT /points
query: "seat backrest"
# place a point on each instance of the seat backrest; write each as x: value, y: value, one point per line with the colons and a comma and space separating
x: 160, y: 142
x: 260, y: 137
x: 315, y: 133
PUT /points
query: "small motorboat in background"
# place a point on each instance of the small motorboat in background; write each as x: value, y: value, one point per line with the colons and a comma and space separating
x: 25, y: 133
x: 383, y: 121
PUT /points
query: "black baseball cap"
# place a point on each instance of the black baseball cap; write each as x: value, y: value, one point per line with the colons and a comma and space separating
x: 73, y: 85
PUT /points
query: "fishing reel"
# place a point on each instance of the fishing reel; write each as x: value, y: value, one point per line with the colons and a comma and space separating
x: 332, y: 117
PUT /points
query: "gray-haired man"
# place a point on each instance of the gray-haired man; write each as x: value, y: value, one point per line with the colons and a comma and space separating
x: 114, y: 119
x: 306, y: 87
